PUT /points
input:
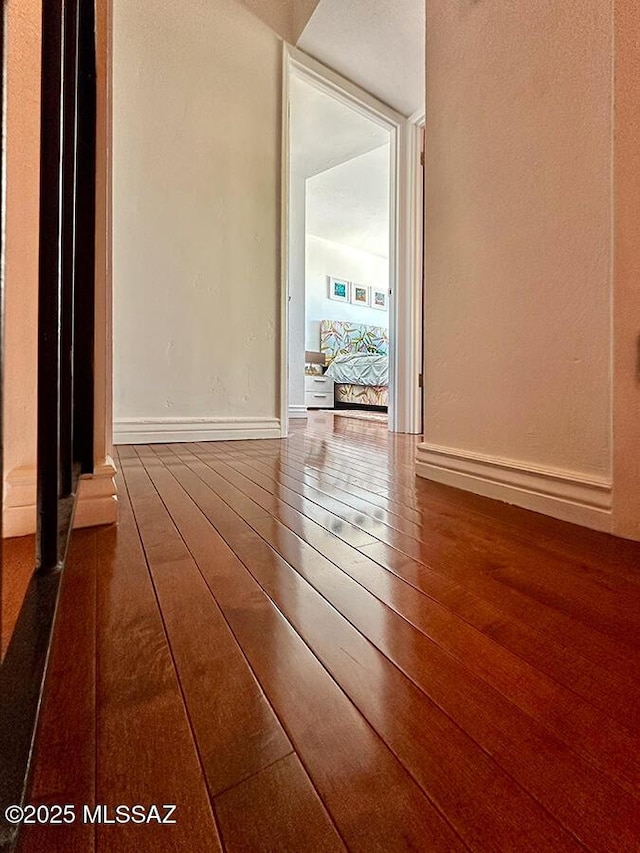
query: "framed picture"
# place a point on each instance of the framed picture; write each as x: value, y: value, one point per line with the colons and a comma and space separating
x: 360, y: 294
x: 380, y: 299
x: 339, y: 289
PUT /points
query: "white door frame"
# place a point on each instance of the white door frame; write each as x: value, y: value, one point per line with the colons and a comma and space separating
x: 410, y: 289
x: 405, y: 262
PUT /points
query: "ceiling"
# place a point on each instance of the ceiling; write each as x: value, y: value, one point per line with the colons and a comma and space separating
x: 349, y: 203
x: 345, y: 158
x: 287, y: 17
x: 378, y: 44
x: 325, y: 131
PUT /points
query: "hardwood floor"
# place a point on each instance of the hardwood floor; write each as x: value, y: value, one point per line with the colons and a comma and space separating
x: 306, y: 648
x: 18, y: 560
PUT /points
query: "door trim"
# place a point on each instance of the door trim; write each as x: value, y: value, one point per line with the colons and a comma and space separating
x: 405, y: 280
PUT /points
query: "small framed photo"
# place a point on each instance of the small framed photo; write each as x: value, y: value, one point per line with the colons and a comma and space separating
x: 339, y: 289
x: 380, y: 299
x: 360, y: 294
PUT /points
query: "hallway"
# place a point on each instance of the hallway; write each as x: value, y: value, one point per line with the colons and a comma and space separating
x: 305, y: 648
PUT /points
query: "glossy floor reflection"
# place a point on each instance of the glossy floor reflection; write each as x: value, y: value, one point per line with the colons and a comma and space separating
x: 306, y: 648
x: 18, y: 561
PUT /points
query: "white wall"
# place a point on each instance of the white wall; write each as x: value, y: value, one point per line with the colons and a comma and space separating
x: 297, y: 294
x: 626, y: 293
x: 326, y: 258
x: 518, y: 234
x: 197, y: 95
x: 347, y: 222
x: 21, y: 296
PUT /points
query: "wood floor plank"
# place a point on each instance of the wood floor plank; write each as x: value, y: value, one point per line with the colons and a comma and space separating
x: 466, y: 568
x: 444, y: 753
x: 594, y: 735
x: 323, y: 459
x: 145, y: 748
x: 499, y: 522
x: 521, y: 745
x: 462, y: 552
x: 340, y: 526
x: 381, y: 510
x: 352, y: 508
x: 374, y: 803
x: 273, y: 463
x: 601, y: 554
x: 544, y: 766
x: 309, y: 648
x: 379, y: 470
x: 416, y: 574
x: 65, y: 747
x: 503, y: 516
x: 590, y: 562
x: 278, y: 804
x: 610, y: 610
x: 19, y: 559
x: 237, y: 732
x: 582, y: 721
x: 596, y: 549
x: 451, y: 540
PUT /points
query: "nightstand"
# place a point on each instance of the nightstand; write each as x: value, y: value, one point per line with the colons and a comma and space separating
x: 318, y: 391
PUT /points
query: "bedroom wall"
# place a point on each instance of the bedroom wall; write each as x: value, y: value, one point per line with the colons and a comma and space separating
x: 347, y: 222
x: 519, y: 238
x: 325, y: 258
x: 197, y: 128
x: 297, y: 295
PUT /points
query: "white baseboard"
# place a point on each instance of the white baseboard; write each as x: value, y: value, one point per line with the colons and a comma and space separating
x: 298, y: 412
x: 170, y: 430
x: 566, y: 495
x: 97, y: 497
x: 97, y: 500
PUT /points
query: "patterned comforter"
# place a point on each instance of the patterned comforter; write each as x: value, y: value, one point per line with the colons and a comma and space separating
x: 360, y: 369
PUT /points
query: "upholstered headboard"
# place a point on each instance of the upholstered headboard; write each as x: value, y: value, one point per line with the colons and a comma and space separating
x: 339, y: 336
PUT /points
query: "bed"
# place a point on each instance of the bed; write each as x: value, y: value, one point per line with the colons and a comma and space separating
x: 357, y: 356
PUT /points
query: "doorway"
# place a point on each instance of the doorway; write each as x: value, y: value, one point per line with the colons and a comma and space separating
x: 345, y: 273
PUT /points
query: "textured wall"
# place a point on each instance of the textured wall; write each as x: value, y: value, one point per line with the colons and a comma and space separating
x: 23, y: 182
x: 518, y: 230
x: 197, y: 93
x: 325, y: 258
x: 96, y: 503
x: 626, y: 297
